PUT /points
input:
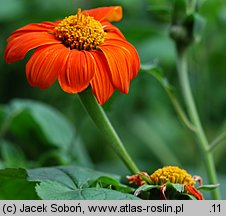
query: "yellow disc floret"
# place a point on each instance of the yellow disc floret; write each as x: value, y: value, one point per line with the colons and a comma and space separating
x: 172, y: 174
x: 80, y: 32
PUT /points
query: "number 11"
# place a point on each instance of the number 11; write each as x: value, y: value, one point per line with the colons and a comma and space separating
x: 216, y: 208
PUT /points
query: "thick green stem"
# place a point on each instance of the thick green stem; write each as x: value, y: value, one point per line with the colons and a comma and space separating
x: 192, y: 111
x: 102, y: 122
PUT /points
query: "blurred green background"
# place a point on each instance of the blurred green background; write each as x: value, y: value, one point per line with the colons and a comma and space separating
x: 49, y: 127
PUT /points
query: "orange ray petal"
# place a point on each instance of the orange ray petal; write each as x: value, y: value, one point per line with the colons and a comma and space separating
x: 101, y: 84
x: 18, y: 47
x: 33, y: 27
x: 130, y: 53
x: 45, y: 64
x: 112, y: 31
x: 112, y: 13
x: 192, y: 190
x: 137, y: 179
x: 119, y: 67
x: 79, y: 71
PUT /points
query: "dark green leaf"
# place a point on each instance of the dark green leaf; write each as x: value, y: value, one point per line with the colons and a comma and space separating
x: 70, y: 176
x: 12, y: 155
x: 75, y: 183
x: 14, y: 185
x: 30, y: 120
x: 59, y: 183
x: 54, y: 126
x: 55, y: 190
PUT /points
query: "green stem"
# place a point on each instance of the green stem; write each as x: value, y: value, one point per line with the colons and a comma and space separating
x: 201, y: 137
x: 99, y: 117
x: 217, y: 141
x: 180, y: 111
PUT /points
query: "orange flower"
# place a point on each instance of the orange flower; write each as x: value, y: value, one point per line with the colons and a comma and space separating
x: 80, y: 50
x: 172, y: 174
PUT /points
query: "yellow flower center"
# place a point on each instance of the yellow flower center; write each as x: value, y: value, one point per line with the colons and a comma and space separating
x: 172, y: 174
x: 80, y: 32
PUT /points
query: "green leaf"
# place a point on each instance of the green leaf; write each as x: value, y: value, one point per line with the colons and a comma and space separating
x: 71, y: 182
x: 104, y: 181
x: 71, y: 176
x: 112, y: 183
x: 12, y: 155
x: 50, y: 190
x: 53, y: 125
x: 208, y: 187
x: 34, y: 123
x: 145, y: 187
x: 75, y: 182
x: 14, y: 185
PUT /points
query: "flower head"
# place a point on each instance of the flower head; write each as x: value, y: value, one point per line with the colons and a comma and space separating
x: 171, y: 175
x: 175, y: 175
x: 80, y: 50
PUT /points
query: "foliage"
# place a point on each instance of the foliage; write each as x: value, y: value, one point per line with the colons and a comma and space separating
x: 53, y: 183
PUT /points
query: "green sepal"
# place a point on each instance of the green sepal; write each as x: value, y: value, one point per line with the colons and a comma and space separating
x: 178, y: 187
x: 208, y: 187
